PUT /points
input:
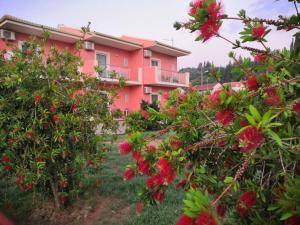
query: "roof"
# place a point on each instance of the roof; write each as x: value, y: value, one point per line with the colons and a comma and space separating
x: 71, y: 35
x: 27, y: 27
x: 157, y: 46
x: 205, y: 87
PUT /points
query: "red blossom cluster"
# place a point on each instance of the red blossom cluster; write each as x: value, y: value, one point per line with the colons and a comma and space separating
x: 125, y: 148
x: 225, y: 117
x: 129, y: 174
x: 145, y: 114
x: 37, y: 99
x: 296, y: 107
x: 211, y: 25
x: 258, y: 31
x: 260, y: 58
x: 246, y: 202
x: 250, y: 139
x: 251, y: 83
x: 272, y: 98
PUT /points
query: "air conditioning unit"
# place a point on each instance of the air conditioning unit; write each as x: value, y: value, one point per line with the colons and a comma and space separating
x: 147, y: 53
x: 147, y: 90
x: 88, y: 45
x: 8, y: 35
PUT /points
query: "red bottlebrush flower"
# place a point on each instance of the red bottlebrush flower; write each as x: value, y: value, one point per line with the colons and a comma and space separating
x: 225, y: 117
x: 173, y: 112
x: 294, y: 220
x: 5, y: 159
x: 52, y: 108
x: 182, y: 97
x: 140, y: 206
x: 46, y: 126
x: 27, y: 187
x: 206, y: 218
x: 181, y: 184
x: 145, y: 114
x: 246, y: 202
x: 137, y: 156
x: 243, y: 123
x: 154, y: 182
x: 144, y: 168
x: 296, y: 108
x: 89, y: 163
x: 272, y: 99
x: 214, y: 11
x: 166, y: 95
x: 159, y: 196
x: 74, y: 108
x: 125, y: 148
x: 185, y: 220
x: 250, y: 139
x: 175, y: 143
x: 209, y: 29
x: 7, y: 168
x: 260, y: 58
x: 259, y: 31
x: 251, y: 83
x: 195, y: 6
x: 221, y: 210
x: 62, y: 199
x: 63, y: 184
x: 56, y: 119
x: 29, y: 52
x: 151, y: 148
x: 185, y: 124
x: 20, y: 180
x: 214, y: 98
x: 128, y: 174
x: 37, y: 99
x: 163, y: 165
x: 194, y: 185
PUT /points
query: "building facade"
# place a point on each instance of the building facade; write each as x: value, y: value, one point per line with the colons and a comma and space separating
x: 148, y: 67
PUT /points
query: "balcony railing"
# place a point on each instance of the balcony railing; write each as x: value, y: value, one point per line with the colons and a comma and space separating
x: 171, y: 77
x: 115, y: 72
x: 156, y: 76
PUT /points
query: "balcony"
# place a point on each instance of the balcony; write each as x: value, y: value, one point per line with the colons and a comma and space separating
x: 158, y: 77
x: 112, y: 74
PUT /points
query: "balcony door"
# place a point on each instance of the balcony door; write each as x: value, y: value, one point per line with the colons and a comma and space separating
x: 102, y: 62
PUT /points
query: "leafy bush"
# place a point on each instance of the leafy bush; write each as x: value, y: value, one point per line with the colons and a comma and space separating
x: 48, y: 116
x: 236, y: 153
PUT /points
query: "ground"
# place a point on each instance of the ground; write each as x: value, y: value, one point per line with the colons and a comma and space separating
x: 112, y: 203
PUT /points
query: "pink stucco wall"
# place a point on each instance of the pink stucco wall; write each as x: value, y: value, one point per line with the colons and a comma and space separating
x: 136, y: 62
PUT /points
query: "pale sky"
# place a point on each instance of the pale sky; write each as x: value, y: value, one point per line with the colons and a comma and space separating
x: 152, y: 20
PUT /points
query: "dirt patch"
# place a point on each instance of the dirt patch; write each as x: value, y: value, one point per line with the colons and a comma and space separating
x: 104, y: 209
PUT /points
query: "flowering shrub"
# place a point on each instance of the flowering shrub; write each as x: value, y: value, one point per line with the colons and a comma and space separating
x: 235, y: 153
x: 48, y: 116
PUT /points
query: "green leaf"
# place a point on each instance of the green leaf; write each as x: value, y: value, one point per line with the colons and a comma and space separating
x: 250, y: 119
x: 275, y: 137
x: 255, y: 113
x: 285, y: 216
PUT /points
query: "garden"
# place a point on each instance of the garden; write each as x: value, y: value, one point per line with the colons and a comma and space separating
x: 219, y: 157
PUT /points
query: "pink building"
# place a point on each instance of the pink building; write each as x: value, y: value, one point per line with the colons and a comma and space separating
x: 148, y: 67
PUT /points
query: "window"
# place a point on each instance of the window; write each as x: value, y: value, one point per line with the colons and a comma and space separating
x: 155, y: 63
x: 154, y: 98
x: 23, y: 46
x: 126, y: 62
x: 173, y: 67
x: 126, y: 97
x: 101, y: 62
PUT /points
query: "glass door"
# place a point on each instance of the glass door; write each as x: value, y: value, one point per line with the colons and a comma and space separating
x: 102, y: 64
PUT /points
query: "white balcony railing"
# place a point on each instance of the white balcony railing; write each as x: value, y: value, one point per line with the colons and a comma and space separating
x: 114, y: 72
x: 172, y: 77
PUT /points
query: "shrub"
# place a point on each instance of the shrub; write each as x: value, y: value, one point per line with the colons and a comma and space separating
x: 236, y: 153
x: 48, y: 115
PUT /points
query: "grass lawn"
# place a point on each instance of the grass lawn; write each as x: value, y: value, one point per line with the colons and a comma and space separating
x: 112, y: 203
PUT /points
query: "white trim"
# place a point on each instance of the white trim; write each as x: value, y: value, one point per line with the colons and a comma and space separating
x: 20, y: 44
x: 155, y: 59
x: 107, y: 54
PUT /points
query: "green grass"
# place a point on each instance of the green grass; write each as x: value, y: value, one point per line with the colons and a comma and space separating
x: 113, y: 185
x: 123, y: 195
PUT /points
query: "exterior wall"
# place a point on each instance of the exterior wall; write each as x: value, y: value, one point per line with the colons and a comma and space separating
x: 136, y: 62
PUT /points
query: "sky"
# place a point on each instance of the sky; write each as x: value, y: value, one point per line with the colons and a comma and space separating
x: 152, y: 19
